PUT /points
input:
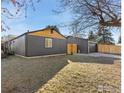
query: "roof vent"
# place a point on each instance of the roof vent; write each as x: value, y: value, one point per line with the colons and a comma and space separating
x: 52, y: 31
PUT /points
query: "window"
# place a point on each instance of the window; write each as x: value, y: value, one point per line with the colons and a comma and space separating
x: 48, y: 42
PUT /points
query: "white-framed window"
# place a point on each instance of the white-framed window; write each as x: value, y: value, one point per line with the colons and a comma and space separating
x: 48, y: 42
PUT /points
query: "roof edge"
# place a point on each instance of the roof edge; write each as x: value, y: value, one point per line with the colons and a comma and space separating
x: 16, y: 37
x: 33, y: 32
x: 45, y: 29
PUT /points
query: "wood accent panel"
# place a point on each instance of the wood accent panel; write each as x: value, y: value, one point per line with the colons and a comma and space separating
x: 109, y: 49
x: 47, y: 33
x: 71, y: 48
x: 74, y: 48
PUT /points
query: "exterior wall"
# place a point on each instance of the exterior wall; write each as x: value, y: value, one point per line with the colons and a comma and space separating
x: 81, y: 43
x: 92, y: 47
x: 36, y: 46
x: 18, y: 45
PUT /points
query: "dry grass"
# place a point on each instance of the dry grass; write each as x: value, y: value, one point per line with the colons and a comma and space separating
x: 20, y: 75
x: 85, y: 78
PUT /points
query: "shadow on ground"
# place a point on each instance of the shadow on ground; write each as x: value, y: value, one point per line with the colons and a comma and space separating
x: 21, y: 75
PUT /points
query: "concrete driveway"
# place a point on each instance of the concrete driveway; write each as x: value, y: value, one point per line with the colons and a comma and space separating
x: 101, y: 55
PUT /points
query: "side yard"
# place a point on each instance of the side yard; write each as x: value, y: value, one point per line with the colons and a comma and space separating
x: 56, y: 75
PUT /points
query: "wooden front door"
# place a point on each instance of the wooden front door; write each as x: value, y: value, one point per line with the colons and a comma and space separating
x: 71, y: 48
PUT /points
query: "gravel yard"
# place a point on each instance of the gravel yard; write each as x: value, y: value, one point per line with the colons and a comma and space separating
x: 56, y: 75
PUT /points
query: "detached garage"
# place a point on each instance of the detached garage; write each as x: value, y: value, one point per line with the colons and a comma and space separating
x: 77, y: 45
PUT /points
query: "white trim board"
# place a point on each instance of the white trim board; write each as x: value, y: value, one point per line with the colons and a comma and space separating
x: 41, y: 56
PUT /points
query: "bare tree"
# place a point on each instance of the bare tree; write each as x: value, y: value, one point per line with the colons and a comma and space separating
x: 19, y: 8
x: 89, y: 14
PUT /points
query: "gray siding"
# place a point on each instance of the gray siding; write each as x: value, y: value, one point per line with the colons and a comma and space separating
x: 81, y: 43
x: 18, y: 45
x: 92, y: 47
x: 36, y: 46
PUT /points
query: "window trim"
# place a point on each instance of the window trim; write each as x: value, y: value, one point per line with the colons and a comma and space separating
x: 47, y: 45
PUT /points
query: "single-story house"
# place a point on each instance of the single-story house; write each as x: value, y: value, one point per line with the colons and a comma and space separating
x: 45, y: 42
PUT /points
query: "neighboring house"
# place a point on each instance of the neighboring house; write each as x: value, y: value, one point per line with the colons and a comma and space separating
x: 44, y: 42
x: 7, y: 37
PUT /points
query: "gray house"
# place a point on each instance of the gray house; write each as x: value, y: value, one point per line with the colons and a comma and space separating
x: 45, y: 42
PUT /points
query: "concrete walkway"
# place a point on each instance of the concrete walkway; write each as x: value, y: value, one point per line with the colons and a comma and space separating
x: 101, y: 55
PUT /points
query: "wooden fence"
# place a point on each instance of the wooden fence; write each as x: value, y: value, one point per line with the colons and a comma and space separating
x: 113, y: 49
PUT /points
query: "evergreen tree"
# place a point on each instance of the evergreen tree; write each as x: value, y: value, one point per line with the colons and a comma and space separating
x: 91, y: 36
x: 105, y: 37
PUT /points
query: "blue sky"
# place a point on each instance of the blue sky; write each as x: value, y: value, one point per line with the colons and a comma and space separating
x: 40, y: 18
